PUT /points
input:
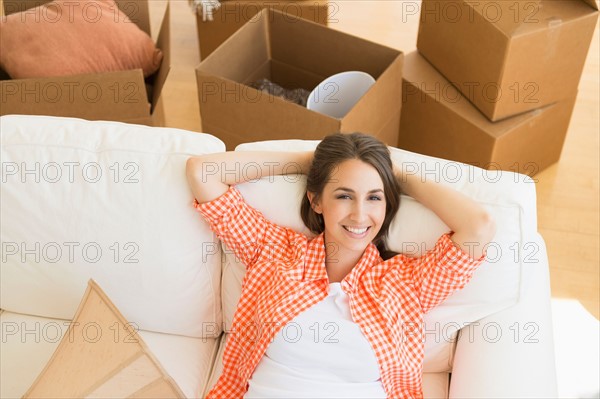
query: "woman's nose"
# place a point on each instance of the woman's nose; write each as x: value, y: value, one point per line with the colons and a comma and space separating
x: 358, y: 211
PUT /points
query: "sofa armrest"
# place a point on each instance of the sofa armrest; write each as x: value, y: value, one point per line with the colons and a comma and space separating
x: 510, y: 354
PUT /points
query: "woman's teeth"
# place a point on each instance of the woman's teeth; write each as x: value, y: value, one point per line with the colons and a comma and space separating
x: 355, y: 230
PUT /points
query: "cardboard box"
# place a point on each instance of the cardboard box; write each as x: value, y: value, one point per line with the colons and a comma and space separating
x: 438, y: 120
x: 233, y: 14
x: 508, y: 57
x: 297, y: 54
x: 111, y: 362
x: 119, y: 96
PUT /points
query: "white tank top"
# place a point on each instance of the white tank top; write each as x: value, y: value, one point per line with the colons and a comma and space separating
x: 321, y: 353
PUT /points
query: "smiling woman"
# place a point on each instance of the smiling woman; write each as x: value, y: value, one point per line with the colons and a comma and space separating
x: 337, y: 279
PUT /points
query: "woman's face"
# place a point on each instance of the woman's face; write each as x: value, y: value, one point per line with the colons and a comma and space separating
x: 353, y: 205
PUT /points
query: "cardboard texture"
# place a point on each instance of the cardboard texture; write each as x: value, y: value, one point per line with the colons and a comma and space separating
x: 122, y: 96
x: 233, y: 14
x: 297, y: 54
x: 437, y: 120
x: 508, y: 57
x: 102, y: 356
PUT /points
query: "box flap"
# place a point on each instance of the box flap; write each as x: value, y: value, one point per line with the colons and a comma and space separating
x: 163, y: 42
x: 120, y: 95
x: 592, y: 3
x: 233, y: 14
x: 385, y: 96
x: 13, y: 6
x: 292, y: 77
x: 249, y: 47
x: 270, y: 37
x: 138, y: 11
x: 321, y: 50
x: 235, y: 112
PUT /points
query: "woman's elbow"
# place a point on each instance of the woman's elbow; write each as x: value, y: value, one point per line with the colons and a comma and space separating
x: 192, y: 167
x: 193, y: 172
x: 485, y: 228
x: 190, y: 164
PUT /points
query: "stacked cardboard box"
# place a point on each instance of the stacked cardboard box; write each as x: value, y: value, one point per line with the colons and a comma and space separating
x: 438, y: 120
x: 294, y: 54
x: 516, y: 62
x: 123, y: 96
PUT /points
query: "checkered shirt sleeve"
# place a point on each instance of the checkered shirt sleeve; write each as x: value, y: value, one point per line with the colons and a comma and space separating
x: 242, y: 228
x: 439, y: 272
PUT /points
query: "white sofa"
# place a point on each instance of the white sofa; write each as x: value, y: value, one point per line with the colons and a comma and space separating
x: 110, y: 201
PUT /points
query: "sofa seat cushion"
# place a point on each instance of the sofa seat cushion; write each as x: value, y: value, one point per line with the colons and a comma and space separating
x: 28, y: 343
x: 435, y: 385
x: 108, y: 201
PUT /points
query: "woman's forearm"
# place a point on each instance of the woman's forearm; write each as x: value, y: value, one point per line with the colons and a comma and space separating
x: 211, y: 175
x: 472, y: 225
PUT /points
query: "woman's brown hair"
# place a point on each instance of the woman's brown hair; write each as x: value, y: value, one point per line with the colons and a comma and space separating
x: 337, y: 148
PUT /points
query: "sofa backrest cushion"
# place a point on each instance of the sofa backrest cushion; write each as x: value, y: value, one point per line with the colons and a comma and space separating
x: 108, y: 201
x: 508, y: 196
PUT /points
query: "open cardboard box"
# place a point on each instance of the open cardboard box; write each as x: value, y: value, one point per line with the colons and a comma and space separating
x: 122, y: 96
x: 108, y: 360
x: 508, y: 57
x: 437, y: 120
x: 294, y: 54
x: 233, y: 14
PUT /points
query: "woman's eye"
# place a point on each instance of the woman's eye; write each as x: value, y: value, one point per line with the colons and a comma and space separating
x: 343, y: 196
x: 375, y: 198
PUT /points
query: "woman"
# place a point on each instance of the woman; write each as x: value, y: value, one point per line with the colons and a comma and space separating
x: 327, y: 316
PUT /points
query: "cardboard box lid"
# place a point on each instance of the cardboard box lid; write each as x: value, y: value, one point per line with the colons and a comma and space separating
x: 425, y: 78
x: 522, y: 17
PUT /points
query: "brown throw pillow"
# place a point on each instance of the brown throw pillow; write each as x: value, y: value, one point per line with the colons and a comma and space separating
x: 73, y: 37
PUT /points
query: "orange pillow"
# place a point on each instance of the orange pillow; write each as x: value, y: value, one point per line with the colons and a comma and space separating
x: 68, y: 37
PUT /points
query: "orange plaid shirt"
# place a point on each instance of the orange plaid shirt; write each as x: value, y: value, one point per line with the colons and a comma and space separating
x: 285, y: 275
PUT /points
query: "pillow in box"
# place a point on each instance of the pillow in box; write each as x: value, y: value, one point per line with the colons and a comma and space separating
x: 68, y: 38
x: 509, y: 197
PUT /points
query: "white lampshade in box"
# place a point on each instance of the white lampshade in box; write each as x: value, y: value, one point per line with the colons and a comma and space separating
x: 337, y: 94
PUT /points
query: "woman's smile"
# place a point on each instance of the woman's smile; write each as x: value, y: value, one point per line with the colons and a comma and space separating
x: 357, y: 232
